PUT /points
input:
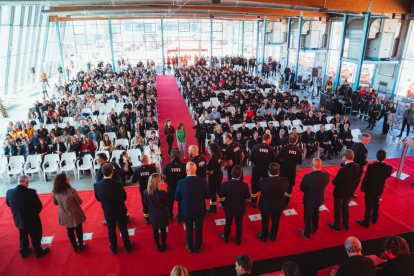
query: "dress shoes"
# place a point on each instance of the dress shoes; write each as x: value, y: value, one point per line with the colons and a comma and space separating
x: 345, y: 227
x: 159, y: 248
x: 81, y: 248
x: 302, y: 233
x: 374, y: 220
x: 163, y: 247
x: 223, y: 236
x: 147, y: 220
x: 105, y: 223
x: 334, y: 227
x: 354, y: 196
x: 253, y: 204
x: 128, y: 250
x: 238, y: 242
x: 198, y: 251
x: 189, y: 250
x: 314, y: 230
x: 259, y: 235
x: 362, y: 223
x: 27, y: 253
x: 42, y: 253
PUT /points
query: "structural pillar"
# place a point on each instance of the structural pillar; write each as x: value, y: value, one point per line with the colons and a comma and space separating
x: 298, y: 49
x: 341, y: 50
x: 9, y: 51
x: 112, y: 43
x: 362, y: 49
x: 211, y: 39
x: 257, y: 44
x: 62, y: 62
x: 162, y: 46
x: 242, y: 38
x: 327, y: 54
x: 288, y: 40
x: 264, y: 43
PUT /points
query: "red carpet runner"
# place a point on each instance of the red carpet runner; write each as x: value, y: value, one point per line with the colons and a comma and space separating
x: 172, y: 106
x: 396, y: 212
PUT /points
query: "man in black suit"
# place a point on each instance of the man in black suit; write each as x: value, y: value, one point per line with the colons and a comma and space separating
x: 235, y: 193
x: 200, y: 134
x: 360, y: 157
x: 112, y: 196
x: 308, y: 138
x: 26, y: 207
x: 322, y: 137
x: 243, y: 265
x: 313, y: 186
x: 373, y: 186
x: 357, y: 264
x: 272, y: 201
x: 344, y: 187
x: 191, y: 194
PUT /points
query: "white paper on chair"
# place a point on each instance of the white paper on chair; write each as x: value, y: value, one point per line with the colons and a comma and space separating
x: 220, y: 221
x: 47, y: 240
x: 352, y: 203
x: 193, y: 226
x: 323, y: 208
x: 290, y: 212
x: 131, y: 232
x: 255, y: 217
x: 159, y: 231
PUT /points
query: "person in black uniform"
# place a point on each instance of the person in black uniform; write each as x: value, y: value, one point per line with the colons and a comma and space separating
x: 322, y: 137
x: 373, y: 186
x: 271, y: 202
x: 201, y: 130
x: 235, y: 193
x: 313, y: 186
x: 366, y: 99
x: 334, y: 138
x: 288, y: 157
x: 172, y: 173
x: 262, y: 155
x: 355, y: 98
x: 215, y: 175
x: 234, y: 154
x: 308, y: 137
x: 344, y: 187
x: 199, y: 160
x: 360, y: 156
x: 26, y: 206
x: 112, y: 197
x: 142, y: 175
x: 357, y: 264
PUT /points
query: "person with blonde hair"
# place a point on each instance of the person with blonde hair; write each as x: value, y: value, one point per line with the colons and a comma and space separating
x: 179, y: 270
x: 157, y: 201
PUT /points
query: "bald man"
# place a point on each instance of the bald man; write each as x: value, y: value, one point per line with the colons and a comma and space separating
x: 191, y: 194
x: 313, y: 186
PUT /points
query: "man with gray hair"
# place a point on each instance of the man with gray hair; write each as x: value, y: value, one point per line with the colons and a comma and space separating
x: 26, y: 207
x: 357, y: 264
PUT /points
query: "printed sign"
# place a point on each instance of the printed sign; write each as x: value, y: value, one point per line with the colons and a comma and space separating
x: 47, y: 240
x: 323, y: 208
x: 255, y: 217
x: 220, y: 221
x: 290, y: 212
x: 131, y: 232
x: 352, y: 203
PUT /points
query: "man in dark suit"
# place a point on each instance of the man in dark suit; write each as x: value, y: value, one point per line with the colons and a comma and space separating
x: 308, y: 138
x: 58, y: 147
x: 360, y: 157
x: 235, y: 193
x: 322, y: 137
x: 357, y: 264
x: 26, y: 207
x: 243, y: 265
x: 344, y: 188
x: 373, y: 186
x: 112, y: 196
x: 272, y: 201
x: 191, y: 194
x: 313, y: 186
x: 200, y: 134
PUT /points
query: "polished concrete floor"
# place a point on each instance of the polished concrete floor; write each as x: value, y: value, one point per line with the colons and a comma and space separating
x: 388, y: 142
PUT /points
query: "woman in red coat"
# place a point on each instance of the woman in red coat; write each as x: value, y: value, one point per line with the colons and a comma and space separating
x: 88, y: 147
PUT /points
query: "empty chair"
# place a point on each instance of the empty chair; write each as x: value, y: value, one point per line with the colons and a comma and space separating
x: 135, y: 155
x: 102, y: 118
x: 231, y: 108
x: 122, y: 142
x: 316, y: 128
x: 287, y: 123
x: 206, y: 104
x: 110, y: 102
x: 86, y: 110
x: 329, y: 118
x: 275, y: 123
x: 3, y: 165
x: 52, y: 162
x: 263, y: 125
x: 111, y: 135
x: 236, y: 126
x: 86, y: 165
x: 49, y: 127
x: 68, y: 119
x: 328, y: 127
x: 356, y: 135
x: 62, y: 125
x: 32, y: 165
x: 249, y: 126
x: 68, y: 162
x: 296, y: 123
x: 15, y: 165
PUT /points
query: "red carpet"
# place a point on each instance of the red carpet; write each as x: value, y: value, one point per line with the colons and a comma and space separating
x: 171, y: 106
x: 396, y: 212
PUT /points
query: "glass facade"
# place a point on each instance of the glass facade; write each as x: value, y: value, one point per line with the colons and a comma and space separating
x: 405, y: 86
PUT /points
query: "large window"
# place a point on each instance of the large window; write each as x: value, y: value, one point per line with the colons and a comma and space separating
x: 334, y: 48
x: 405, y: 86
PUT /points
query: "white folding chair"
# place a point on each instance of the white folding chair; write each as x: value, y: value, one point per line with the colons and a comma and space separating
x: 250, y: 125
x: 135, y: 155
x: 316, y: 128
x: 116, y: 154
x: 69, y: 158
x: 206, y: 104
x: 67, y: 119
x: 86, y: 110
x: 263, y: 125
x: 49, y: 127
x: 288, y: 123
x: 329, y: 118
x: 86, y: 165
x: 231, y: 108
x: 296, y: 123
x: 33, y: 166
x: 356, y: 135
x: 15, y: 165
x: 275, y: 123
x: 52, y: 160
x: 236, y: 126
x: 102, y: 118
x: 122, y: 142
x: 328, y: 127
x: 95, y: 164
x: 3, y: 170
x: 110, y: 102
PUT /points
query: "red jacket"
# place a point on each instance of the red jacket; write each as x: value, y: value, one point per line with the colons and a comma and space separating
x: 91, y: 147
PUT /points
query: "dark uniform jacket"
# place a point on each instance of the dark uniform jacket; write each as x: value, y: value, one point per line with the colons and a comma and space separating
x: 25, y: 206
x: 288, y: 157
x: 360, y: 154
x: 262, y: 155
x: 142, y: 175
x: 191, y: 194
x: 345, y: 180
x: 112, y: 197
x: 308, y: 139
x: 235, y: 193
x: 272, y: 197
x: 201, y: 130
x: 375, y: 177
x: 201, y: 164
x: 313, y: 185
x: 174, y: 172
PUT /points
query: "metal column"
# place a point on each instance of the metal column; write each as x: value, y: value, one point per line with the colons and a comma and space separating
x: 9, y: 52
x: 341, y: 50
x: 327, y: 54
x: 112, y: 43
x: 257, y: 44
x: 162, y: 46
x: 298, y: 50
x: 373, y: 75
x: 46, y: 39
x: 242, y: 38
x: 264, y: 43
x: 397, y: 72
x: 288, y: 40
x: 62, y: 62
x: 362, y: 49
x: 211, y: 39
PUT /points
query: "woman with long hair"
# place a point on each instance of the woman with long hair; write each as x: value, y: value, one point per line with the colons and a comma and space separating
x: 126, y: 166
x: 137, y: 142
x: 157, y: 201
x: 71, y: 215
x: 215, y: 175
x: 169, y: 133
x: 181, y: 137
x: 106, y: 144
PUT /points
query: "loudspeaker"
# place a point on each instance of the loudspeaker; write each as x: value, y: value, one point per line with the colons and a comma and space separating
x: 32, y: 70
x: 315, y: 72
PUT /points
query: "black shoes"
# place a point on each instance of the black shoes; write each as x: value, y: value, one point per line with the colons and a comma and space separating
x: 259, y: 235
x: 189, y: 250
x: 114, y: 250
x: 238, y: 242
x: 42, y: 253
x: 273, y: 239
x: 253, y: 204
x: 27, y: 253
x: 374, y: 220
x: 198, y: 251
x: 159, y: 248
x: 147, y: 220
x: 302, y: 233
x: 362, y: 223
x: 105, y: 223
x: 354, y: 196
x: 344, y: 226
x: 223, y: 236
x: 211, y: 210
x: 128, y: 250
x: 78, y: 246
x: 334, y: 227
